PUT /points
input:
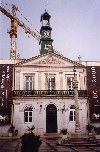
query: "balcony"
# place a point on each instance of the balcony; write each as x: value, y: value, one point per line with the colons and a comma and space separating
x: 45, y: 93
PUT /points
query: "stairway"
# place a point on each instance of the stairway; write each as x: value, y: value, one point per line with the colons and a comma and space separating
x: 51, y: 136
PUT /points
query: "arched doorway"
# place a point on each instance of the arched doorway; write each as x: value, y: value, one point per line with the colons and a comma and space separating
x: 51, y: 119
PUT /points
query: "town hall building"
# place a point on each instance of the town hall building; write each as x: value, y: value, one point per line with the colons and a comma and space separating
x: 43, y: 93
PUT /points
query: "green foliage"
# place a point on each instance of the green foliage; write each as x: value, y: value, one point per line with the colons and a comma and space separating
x: 30, y: 142
x: 64, y: 131
x: 30, y: 129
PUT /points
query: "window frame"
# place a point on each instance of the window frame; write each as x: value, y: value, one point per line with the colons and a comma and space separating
x: 70, y: 86
x: 72, y: 110
x: 29, y: 83
x: 28, y: 114
x: 51, y: 82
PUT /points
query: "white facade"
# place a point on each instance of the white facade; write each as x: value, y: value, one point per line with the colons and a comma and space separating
x: 41, y: 84
x: 39, y: 114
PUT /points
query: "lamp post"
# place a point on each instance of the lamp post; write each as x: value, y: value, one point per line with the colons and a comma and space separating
x: 75, y: 86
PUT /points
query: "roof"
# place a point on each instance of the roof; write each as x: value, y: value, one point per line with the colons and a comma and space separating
x: 45, y: 16
x: 55, y: 53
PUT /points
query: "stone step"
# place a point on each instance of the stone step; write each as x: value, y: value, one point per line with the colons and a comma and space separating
x: 69, y: 143
x: 51, y: 136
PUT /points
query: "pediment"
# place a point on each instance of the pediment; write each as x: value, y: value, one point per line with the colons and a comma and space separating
x: 49, y: 58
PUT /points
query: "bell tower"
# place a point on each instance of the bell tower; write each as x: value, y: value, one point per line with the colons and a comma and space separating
x: 45, y: 32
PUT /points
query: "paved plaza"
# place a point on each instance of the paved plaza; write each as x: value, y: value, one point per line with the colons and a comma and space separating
x: 13, y: 145
x: 8, y: 145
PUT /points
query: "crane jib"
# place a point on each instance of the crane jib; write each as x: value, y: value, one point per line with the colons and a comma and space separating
x: 13, y: 30
x: 20, y: 23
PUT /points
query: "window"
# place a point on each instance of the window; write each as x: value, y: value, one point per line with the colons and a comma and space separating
x: 51, y: 82
x: 29, y: 83
x: 72, y: 113
x: 28, y: 114
x: 70, y: 83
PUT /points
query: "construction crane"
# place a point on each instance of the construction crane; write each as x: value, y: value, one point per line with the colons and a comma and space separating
x: 14, y: 26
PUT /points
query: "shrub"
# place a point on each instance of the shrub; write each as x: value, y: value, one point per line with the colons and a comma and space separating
x: 64, y: 131
x: 30, y: 142
x: 30, y: 129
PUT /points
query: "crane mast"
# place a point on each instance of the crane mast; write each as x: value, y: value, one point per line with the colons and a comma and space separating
x: 13, y: 31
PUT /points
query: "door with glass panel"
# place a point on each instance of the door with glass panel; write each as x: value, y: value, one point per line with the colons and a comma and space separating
x: 70, y: 85
x: 50, y: 84
x: 29, y: 83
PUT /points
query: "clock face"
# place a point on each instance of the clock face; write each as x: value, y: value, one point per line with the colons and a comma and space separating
x: 46, y: 33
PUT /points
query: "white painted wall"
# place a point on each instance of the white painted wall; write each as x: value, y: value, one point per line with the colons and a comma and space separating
x: 39, y: 117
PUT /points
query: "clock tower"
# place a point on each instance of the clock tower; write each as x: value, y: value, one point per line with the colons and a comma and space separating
x: 45, y: 32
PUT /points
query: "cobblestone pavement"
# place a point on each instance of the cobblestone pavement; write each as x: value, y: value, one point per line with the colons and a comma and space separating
x: 51, y: 146
x: 9, y: 145
x: 48, y: 146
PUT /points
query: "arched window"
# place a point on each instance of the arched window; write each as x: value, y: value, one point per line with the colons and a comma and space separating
x: 28, y: 114
x: 72, y: 113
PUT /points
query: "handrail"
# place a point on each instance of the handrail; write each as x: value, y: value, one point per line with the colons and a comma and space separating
x: 63, y: 93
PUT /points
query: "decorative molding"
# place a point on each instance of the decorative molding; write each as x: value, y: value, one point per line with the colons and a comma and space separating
x: 51, y: 55
x: 50, y: 60
x: 25, y: 106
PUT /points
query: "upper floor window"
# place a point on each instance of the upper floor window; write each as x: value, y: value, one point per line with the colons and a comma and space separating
x: 29, y: 83
x: 70, y: 83
x: 28, y: 114
x: 50, y: 82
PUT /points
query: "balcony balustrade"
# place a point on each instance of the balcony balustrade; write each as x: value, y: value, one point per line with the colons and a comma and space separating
x: 43, y: 93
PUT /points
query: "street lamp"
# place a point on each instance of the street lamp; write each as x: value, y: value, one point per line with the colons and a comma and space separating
x: 75, y: 86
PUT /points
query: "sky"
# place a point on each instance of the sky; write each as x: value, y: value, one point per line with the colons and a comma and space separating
x: 75, y: 28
